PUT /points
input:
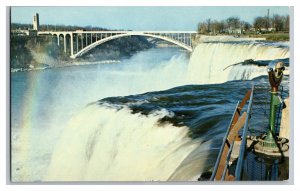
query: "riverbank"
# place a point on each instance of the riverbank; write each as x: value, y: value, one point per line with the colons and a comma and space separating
x: 274, y: 37
x: 67, y: 64
x: 224, y: 38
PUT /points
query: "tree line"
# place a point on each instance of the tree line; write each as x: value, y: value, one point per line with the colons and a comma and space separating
x: 234, y: 25
x: 16, y: 26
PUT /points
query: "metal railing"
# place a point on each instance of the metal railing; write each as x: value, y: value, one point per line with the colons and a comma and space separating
x: 227, y: 161
x: 242, y: 148
x: 223, y: 144
x: 239, y: 166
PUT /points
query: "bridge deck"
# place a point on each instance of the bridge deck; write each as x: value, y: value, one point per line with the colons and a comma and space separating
x: 118, y: 32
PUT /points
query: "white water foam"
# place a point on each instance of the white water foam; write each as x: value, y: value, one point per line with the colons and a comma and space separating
x: 209, y: 60
x: 103, y: 144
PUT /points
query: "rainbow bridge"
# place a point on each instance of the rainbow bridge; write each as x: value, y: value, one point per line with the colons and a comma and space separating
x: 77, y: 43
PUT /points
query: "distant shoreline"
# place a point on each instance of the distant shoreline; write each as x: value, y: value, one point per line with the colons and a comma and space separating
x: 66, y: 64
x: 273, y: 37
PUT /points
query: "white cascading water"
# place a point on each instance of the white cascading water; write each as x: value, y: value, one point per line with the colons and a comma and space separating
x: 209, y: 60
x: 104, y: 144
x: 56, y: 95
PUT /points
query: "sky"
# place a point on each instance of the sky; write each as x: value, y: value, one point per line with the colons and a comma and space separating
x: 139, y: 18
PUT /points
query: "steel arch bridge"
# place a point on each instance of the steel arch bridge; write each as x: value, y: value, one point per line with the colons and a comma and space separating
x: 77, y: 43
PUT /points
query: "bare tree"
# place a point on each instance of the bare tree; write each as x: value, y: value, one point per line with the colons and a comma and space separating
x: 286, y: 24
x: 278, y: 22
x: 208, y: 22
x: 222, y: 26
x: 245, y: 26
x: 233, y: 22
x: 202, y: 28
x: 259, y: 23
x: 215, y: 27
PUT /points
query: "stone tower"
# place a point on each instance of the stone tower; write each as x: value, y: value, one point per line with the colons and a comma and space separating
x: 36, y: 22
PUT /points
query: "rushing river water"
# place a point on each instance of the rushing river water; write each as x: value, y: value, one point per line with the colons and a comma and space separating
x: 159, y: 115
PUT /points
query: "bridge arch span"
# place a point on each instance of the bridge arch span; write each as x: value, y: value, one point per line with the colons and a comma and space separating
x: 93, y: 45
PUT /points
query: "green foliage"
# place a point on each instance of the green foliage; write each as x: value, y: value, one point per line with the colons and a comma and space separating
x: 277, y: 37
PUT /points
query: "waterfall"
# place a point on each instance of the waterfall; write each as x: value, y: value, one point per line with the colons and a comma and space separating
x: 208, y: 61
